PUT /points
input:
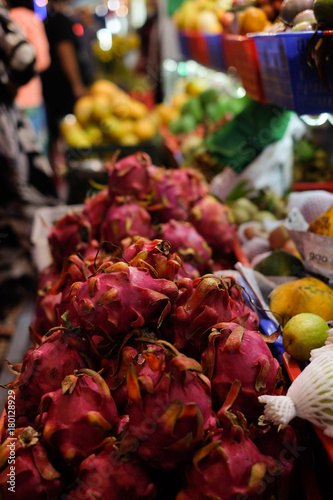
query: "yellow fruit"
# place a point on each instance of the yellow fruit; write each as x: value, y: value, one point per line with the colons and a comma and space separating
x: 110, y: 127
x: 94, y: 133
x: 68, y: 123
x: 179, y: 99
x: 309, y: 295
x: 145, y: 129
x: 130, y: 139
x: 166, y: 113
x: 323, y: 224
x: 100, y: 108
x: 137, y: 109
x: 104, y: 87
x: 253, y: 20
x: 83, y: 109
x: 302, y: 333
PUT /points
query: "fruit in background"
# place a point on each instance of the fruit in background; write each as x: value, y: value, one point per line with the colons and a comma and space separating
x: 305, y: 16
x: 101, y: 107
x: 278, y: 236
x: 195, y: 86
x: 253, y: 20
x: 104, y: 87
x: 323, y: 224
x: 83, y: 109
x: 208, y: 95
x: 185, y: 123
x: 94, y: 133
x: 304, y: 295
x: 323, y: 11
x: 73, y: 133
x: 207, y: 22
x: 290, y: 8
x: 279, y: 263
x: 302, y: 333
x: 261, y: 215
x: 193, y: 107
x: 144, y: 128
x: 243, y: 210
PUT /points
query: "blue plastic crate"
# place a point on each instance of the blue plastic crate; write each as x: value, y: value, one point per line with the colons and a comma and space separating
x: 287, y: 79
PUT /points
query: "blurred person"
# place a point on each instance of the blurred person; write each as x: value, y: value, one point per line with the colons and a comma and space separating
x: 30, y: 96
x: 64, y: 81
x: 149, y: 62
x: 26, y: 180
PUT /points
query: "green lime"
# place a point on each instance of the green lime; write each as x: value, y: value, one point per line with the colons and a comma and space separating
x: 302, y: 333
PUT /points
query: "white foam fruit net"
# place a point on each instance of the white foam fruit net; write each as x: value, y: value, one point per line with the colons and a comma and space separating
x: 310, y: 396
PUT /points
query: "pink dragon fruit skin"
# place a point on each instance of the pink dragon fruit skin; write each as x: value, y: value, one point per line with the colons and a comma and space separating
x: 44, y: 368
x: 110, y: 476
x: 155, y: 255
x: 116, y: 369
x: 235, y: 353
x: 175, y: 192
x: 229, y: 467
x: 197, y: 310
x: 95, y: 208
x: 130, y: 176
x: 79, y: 416
x: 186, y: 241
x: 126, y: 219
x: 117, y: 300
x: 277, y: 444
x: 168, y: 416
x: 45, y: 316
x: 67, y: 233
x: 210, y: 218
x: 34, y: 475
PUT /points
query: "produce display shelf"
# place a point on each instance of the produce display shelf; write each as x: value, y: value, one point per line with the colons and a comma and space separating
x: 204, y: 48
x: 241, y: 53
x: 288, y: 80
x: 294, y: 370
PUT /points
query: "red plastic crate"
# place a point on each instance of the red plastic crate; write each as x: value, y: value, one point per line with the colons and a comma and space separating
x: 205, y: 48
x: 241, y: 53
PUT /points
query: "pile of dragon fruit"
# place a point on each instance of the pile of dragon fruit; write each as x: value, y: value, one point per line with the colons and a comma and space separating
x: 144, y: 377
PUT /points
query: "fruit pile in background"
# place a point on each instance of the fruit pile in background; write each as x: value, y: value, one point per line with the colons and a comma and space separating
x: 312, y: 162
x: 107, y: 115
x: 201, y: 15
x: 195, y: 114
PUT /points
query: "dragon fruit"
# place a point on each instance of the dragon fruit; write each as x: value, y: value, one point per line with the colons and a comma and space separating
x: 210, y: 218
x: 155, y: 255
x: 79, y: 416
x: 282, y: 445
x: 175, y: 192
x: 111, y: 476
x: 186, y: 241
x: 66, y: 235
x: 126, y: 219
x: 229, y: 466
x: 141, y: 357
x: 26, y: 471
x: 44, y: 368
x: 196, y: 310
x: 130, y: 176
x: 95, y: 208
x: 235, y: 353
x: 117, y: 300
x: 238, y: 307
x: 168, y: 416
x: 45, y: 316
